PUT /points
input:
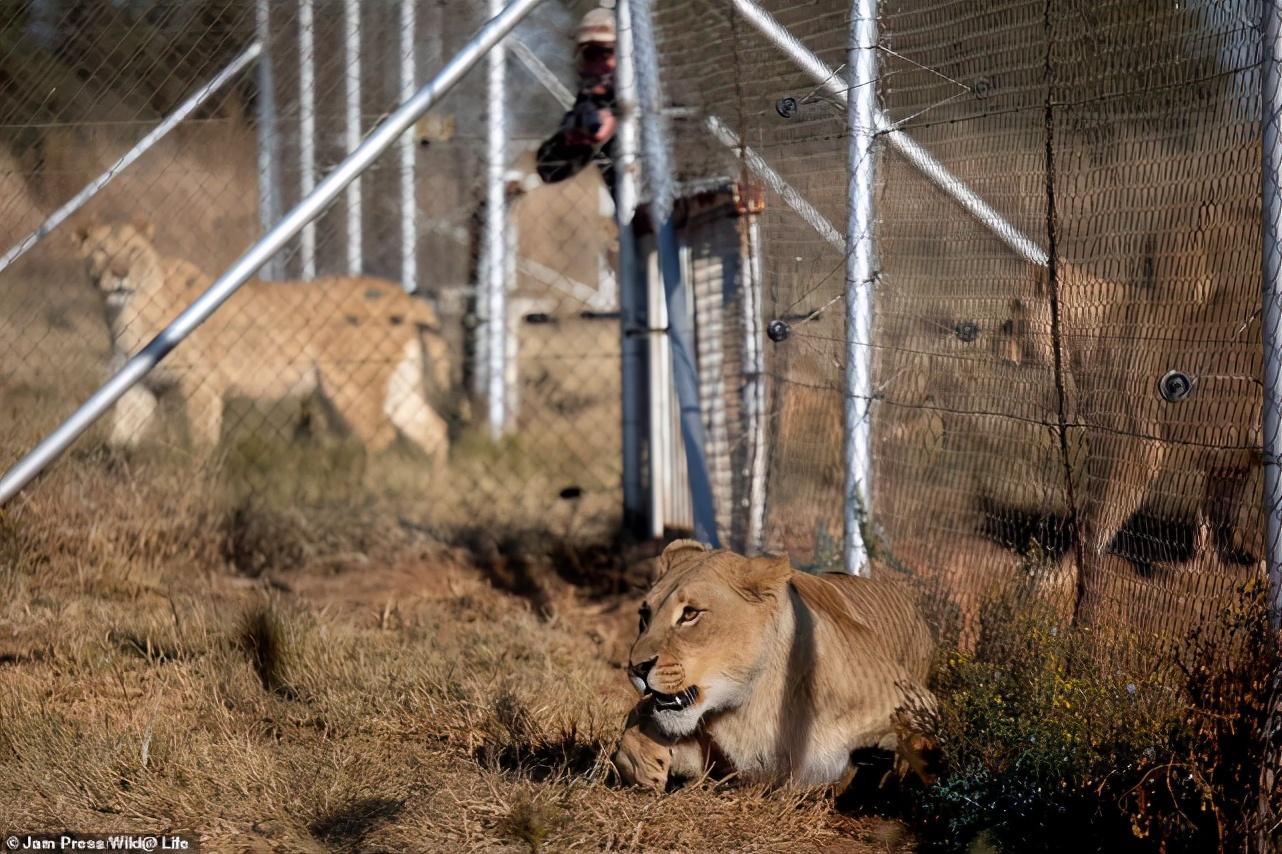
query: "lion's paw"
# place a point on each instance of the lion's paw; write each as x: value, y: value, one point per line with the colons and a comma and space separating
x: 642, y: 761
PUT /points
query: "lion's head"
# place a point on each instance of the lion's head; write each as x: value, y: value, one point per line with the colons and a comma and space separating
x: 705, y: 633
x: 118, y: 258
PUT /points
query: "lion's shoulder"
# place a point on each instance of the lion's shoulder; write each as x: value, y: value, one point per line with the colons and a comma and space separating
x: 882, y: 611
x: 865, y: 600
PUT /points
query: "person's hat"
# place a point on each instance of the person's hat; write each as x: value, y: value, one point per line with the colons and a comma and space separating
x: 597, y: 27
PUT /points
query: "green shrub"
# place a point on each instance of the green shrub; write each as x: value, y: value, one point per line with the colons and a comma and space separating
x: 1052, y: 744
x: 1202, y: 792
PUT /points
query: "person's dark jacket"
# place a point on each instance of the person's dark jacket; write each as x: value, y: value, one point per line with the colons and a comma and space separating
x: 559, y: 160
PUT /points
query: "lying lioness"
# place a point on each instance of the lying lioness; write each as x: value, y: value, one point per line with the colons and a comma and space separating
x: 773, y: 674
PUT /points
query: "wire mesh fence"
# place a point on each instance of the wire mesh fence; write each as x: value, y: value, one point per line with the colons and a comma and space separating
x: 350, y: 365
x: 1065, y: 391
x: 1086, y: 429
x: 1065, y: 388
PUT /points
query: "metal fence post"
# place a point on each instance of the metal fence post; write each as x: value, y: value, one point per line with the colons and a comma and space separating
x: 754, y: 390
x: 307, y: 128
x: 664, y: 481
x: 493, y: 296
x: 269, y: 202
x: 409, y: 199
x: 1272, y: 300
x: 860, y: 273
x: 633, y: 319
x: 512, y: 316
x: 352, y: 91
x: 680, y: 326
x: 378, y: 141
x: 685, y: 377
x: 1271, y: 415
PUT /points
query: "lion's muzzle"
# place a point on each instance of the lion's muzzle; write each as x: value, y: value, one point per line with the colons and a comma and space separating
x: 638, y: 672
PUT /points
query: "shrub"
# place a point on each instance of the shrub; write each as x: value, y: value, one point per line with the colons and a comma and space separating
x: 1053, y: 743
x: 1202, y: 792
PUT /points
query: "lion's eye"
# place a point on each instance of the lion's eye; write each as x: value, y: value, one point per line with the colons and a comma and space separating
x: 689, y: 614
x: 645, y: 617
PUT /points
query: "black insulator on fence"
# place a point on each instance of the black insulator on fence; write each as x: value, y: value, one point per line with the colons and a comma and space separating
x: 778, y: 331
x: 1174, y: 385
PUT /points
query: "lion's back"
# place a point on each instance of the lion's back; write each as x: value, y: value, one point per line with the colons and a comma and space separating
x: 879, y: 615
x: 277, y: 325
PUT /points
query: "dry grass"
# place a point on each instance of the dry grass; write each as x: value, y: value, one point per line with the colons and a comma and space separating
x: 392, y: 704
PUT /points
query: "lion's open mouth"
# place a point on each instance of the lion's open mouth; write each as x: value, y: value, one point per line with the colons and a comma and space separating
x: 675, y: 702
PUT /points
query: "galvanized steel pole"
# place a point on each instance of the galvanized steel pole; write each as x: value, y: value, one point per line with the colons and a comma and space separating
x: 835, y: 85
x: 633, y: 320
x: 494, y: 246
x: 680, y: 325
x: 379, y: 140
x: 269, y: 203
x: 307, y: 127
x: 409, y: 198
x: 352, y: 80
x: 754, y: 389
x: 860, y: 273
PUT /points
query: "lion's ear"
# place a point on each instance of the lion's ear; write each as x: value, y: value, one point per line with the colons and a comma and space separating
x: 678, y: 552
x: 759, y: 577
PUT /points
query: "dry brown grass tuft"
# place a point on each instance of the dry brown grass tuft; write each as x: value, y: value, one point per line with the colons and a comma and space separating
x: 394, y: 703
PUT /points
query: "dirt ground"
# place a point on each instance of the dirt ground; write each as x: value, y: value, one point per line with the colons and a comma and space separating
x: 350, y: 701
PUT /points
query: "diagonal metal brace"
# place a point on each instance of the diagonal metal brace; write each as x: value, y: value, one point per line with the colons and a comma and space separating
x: 926, y: 163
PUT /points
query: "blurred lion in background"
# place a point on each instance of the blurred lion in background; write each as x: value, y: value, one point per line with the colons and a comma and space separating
x: 371, y: 351
x: 1164, y: 389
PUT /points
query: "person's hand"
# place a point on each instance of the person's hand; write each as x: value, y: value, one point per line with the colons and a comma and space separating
x: 609, y: 124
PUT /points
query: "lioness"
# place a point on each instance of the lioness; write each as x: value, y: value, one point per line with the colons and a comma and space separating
x: 1118, y: 343
x: 777, y: 674
x: 370, y: 349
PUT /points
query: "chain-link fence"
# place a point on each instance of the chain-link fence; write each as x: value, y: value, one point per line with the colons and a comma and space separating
x: 1066, y: 346
x: 1092, y: 402
x: 1078, y: 418
x: 148, y: 144
x: 1062, y: 372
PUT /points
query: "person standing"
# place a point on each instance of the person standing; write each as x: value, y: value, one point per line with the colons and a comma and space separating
x: 586, y: 133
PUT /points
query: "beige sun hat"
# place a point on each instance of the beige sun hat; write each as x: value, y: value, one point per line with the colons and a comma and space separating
x: 597, y: 26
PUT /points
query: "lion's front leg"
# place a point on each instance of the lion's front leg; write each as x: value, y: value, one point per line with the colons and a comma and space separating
x: 643, y: 757
x: 132, y: 416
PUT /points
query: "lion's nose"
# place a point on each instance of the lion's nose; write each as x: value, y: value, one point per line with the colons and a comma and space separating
x: 642, y: 670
